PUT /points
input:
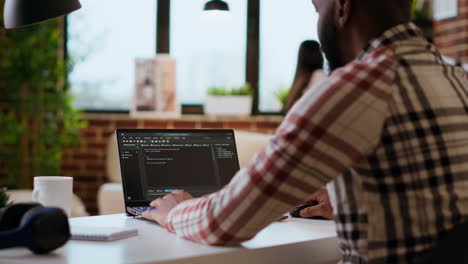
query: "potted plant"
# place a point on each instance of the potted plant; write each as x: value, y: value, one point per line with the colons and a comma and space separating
x: 230, y: 102
x: 36, y: 113
x: 422, y: 17
x: 281, y: 96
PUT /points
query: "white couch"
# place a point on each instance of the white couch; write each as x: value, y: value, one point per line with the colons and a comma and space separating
x: 110, y: 196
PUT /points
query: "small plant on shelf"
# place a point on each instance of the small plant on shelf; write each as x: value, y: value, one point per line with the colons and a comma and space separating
x: 232, y: 102
x: 282, y: 95
x: 421, y: 10
x: 245, y: 90
x: 422, y: 17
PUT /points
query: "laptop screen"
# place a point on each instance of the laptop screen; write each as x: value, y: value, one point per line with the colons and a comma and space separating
x: 155, y: 162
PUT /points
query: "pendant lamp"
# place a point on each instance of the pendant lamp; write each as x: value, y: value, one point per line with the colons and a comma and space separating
x: 19, y: 13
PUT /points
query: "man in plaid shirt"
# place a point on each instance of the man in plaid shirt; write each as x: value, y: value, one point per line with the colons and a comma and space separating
x: 388, y: 129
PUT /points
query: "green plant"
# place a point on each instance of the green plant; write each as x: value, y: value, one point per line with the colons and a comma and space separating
x: 420, y: 10
x: 36, y: 113
x: 4, y: 198
x: 244, y: 90
x: 282, y: 94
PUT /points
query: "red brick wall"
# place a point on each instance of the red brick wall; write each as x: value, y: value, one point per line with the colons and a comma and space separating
x: 86, y: 163
x: 451, y: 35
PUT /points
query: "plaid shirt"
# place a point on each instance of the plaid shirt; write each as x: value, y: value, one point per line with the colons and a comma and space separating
x: 388, y: 130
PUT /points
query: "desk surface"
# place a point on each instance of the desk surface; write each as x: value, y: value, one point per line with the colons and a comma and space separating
x: 290, y: 241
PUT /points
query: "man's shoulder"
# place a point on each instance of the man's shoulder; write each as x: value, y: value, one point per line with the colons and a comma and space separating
x: 384, y: 58
x: 377, y: 67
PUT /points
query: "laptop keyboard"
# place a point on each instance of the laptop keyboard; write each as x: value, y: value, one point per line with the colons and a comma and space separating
x: 139, y: 210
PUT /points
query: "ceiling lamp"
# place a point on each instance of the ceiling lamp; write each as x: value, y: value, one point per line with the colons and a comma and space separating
x: 19, y: 13
x: 218, y: 5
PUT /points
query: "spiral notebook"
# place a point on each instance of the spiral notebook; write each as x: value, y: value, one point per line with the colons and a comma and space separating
x: 101, y: 233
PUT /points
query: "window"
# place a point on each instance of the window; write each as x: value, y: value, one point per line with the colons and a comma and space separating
x: 210, y: 49
x: 104, y: 38
x: 283, y: 26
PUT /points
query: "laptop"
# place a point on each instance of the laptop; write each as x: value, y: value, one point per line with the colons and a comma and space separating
x: 154, y: 162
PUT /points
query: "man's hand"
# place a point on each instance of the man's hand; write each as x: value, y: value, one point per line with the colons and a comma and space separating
x: 323, y: 208
x: 164, y: 206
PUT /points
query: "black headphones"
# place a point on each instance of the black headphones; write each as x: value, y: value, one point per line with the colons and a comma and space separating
x: 41, y: 229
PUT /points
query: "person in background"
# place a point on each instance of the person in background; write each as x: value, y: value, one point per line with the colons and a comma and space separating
x: 387, y: 129
x: 308, y: 71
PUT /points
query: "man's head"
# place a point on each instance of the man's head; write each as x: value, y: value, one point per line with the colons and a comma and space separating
x: 345, y: 26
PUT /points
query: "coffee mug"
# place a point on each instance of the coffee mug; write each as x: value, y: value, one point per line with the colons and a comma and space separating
x: 55, y: 191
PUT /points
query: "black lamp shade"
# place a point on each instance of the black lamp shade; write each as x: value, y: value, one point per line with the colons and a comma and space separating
x: 19, y: 13
x: 216, y: 5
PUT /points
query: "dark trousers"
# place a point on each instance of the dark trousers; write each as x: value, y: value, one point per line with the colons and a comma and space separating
x: 451, y: 249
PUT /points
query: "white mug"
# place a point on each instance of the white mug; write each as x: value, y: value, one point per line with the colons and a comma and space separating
x: 55, y: 191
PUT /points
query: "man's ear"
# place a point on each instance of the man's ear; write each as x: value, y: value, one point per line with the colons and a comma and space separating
x: 343, y: 12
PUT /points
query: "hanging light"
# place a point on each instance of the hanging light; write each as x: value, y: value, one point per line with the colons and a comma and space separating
x: 217, y: 5
x: 19, y: 13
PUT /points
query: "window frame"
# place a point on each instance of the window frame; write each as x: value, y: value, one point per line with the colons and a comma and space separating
x: 163, y: 31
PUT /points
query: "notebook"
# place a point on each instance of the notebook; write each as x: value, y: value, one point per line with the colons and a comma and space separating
x: 101, y: 233
x: 154, y: 162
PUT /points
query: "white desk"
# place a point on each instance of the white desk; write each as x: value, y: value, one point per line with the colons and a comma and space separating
x: 290, y: 241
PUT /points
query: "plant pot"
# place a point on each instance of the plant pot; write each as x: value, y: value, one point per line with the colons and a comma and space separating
x: 228, y: 105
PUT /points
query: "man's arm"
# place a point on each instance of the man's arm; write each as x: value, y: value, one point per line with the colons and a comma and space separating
x: 326, y: 132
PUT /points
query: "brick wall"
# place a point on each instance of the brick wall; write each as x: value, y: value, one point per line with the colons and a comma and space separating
x: 86, y: 163
x: 451, y: 35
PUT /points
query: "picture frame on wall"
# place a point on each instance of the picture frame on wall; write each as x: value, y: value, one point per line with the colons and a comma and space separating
x: 445, y: 9
x: 155, y: 91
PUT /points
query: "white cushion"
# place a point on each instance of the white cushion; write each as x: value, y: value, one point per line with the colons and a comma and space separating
x: 110, y: 199
x: 112, y: 160
x: 248, y: 144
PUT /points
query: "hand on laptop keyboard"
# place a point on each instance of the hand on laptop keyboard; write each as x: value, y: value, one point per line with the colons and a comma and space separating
x: 139, y: 210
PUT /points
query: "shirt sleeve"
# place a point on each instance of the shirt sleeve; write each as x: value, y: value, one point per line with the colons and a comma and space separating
x: 333, y: 126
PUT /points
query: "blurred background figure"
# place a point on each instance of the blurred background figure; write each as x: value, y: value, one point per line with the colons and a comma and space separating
x: 308, y: 72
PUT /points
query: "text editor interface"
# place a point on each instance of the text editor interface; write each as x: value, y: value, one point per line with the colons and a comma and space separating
x: 154, y: 164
